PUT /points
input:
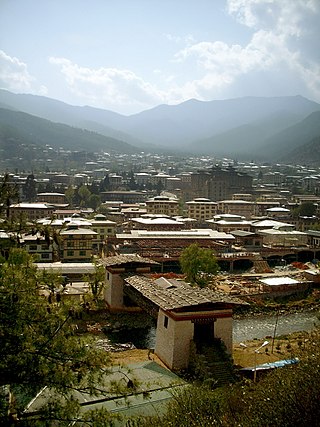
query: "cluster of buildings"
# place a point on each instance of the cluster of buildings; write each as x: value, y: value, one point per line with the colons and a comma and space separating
x: 148, y: 215
x: 232, y: 209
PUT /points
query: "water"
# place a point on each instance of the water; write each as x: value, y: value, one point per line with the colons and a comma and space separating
x: 262, y: 326
x: 140, y: 337
x: 243, y: 329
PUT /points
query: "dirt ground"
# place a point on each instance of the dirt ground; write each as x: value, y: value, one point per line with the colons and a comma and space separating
x: 243, y: 356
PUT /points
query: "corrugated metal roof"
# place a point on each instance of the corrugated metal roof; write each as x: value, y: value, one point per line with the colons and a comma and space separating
x: 154, y: 388
x: 278, y: 281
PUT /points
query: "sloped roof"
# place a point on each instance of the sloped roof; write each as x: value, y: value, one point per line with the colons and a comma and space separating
x: 179, y: 297
x: 125, y: 259
x: 150, y: 378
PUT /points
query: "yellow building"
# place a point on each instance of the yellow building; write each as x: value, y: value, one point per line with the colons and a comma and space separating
x: 163, y: 205
x: 104, y: 229
x: 77, y: 243
x: 201, y: 209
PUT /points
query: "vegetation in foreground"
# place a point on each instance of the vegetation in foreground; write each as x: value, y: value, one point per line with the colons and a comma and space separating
x: 285, y: 397
x: 40, y: 348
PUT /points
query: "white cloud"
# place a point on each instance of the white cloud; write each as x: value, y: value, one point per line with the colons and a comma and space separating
x: 282, y: 16
x: 14, y: 76
x: 280, y: 33
x: 180, y: 39
x: 277, y: 44
x: 110, y: 87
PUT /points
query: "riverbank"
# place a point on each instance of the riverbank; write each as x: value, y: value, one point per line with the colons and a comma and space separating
x: 260, y: 307
x: 244, y: 355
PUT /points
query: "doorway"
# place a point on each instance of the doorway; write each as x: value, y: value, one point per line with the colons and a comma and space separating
x: 203, y: 334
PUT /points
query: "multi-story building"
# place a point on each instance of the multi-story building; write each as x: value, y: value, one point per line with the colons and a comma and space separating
x: 236, y: 207
x: 163, y: 205
x: 123, y: 196
x: 220, y: 183
x: 229, y: 222
x: 53, y: 198
x: 38, y: 246
x: 201, y: 209
x: 31, y: 211
x: 104, y: 229
x: 166, y: 245
x: 77, y: 243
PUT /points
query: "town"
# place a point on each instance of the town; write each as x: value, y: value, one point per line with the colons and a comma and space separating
x: 135, y: 215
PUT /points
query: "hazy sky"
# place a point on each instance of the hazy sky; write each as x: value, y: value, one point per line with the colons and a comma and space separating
x: 131, y: 55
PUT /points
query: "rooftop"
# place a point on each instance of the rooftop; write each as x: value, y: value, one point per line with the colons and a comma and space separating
x: 174, y: 297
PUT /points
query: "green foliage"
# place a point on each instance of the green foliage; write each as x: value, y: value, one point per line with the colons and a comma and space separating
x: 29, y: 189
x: 198, y: 264
x: 8, y: 193
x: 305, y: 209
x: 94, y: 201
x: 38, y: 344
x: 96, y: 282
x: 285, y: 397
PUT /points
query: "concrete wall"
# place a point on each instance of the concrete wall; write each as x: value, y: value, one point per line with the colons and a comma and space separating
x: 113, y: 292
x: 173, y: 341
x: 223, y: 330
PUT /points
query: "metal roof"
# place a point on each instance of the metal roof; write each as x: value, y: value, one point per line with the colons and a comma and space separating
x: 278, y: 281
x: 151, y: 379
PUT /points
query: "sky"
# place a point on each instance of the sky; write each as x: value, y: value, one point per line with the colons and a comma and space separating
x: 132, y: 55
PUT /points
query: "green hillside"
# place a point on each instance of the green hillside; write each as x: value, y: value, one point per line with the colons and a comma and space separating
x: 21, y: 128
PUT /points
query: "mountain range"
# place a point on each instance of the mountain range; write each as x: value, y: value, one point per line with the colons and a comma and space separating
x: 250, y: 128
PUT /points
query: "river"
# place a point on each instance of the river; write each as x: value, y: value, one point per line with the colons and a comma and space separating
x: 244, y: 329
x: 261, y: 326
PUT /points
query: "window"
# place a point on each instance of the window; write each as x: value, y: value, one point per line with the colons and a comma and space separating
x: 70, y: 253
x: 165, y: 321
x: 33, y: 247
x: 82, y: 253
x: 45, y: 256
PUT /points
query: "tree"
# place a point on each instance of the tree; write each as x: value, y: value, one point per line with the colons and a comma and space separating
x: 94, y: 201
x: 39, y: 346
x: 70, y: 195
x: 105, y: 183
x: 84, y: 195
x: 8, y: 193
x: 96, y: 282
x: 29, y: 189
x: 305, y: 209
x: 198, y: 264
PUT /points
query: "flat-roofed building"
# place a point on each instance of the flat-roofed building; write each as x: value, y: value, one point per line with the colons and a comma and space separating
x: 236, y: 207
x: 162, y: 245
x: 53, y: 198
x: 160, y: 223
x: 201, y: 209
x: 31, y: 211
x: 227, y: 223
x: 163, y: 205
x: 123, y: 196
